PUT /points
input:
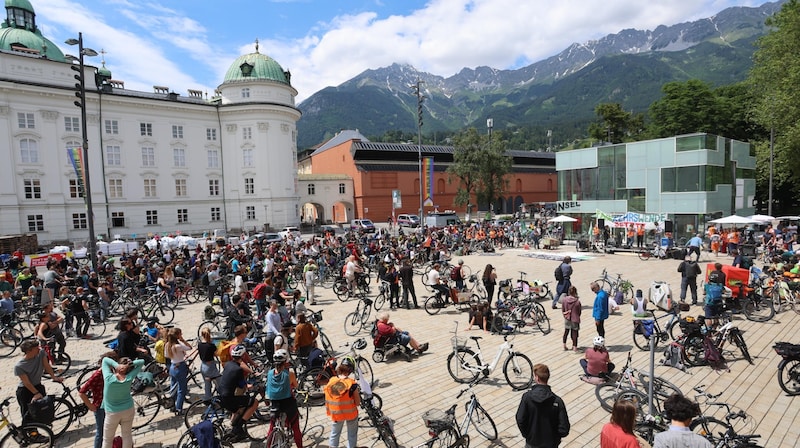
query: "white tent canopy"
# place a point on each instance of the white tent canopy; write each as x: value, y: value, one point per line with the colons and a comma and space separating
x: 762, y: 218
x: 735, y: 219
x: 562, y: 218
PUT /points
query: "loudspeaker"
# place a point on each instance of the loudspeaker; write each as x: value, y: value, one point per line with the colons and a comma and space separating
x: 668, y: 226
x: 601, y: 223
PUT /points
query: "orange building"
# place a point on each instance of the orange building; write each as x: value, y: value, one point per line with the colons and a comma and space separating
x: 379, y: 168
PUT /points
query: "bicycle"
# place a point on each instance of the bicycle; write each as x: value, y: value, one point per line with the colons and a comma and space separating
x: 626, y: 386
x: 465, y: 365
x: 656, y: 251
x: 719, y: 433
x: 11, y: 335
x: 64, y: 361
x: 189, y: 440
x: 536, y: 288
x: 371, y: 404
x: 31, y: 435
x: 67, y: 410
x: 525, y: 313
x: 444, y: 430
x: 642, y: 332
x: 788, y: 367
x: 358, y: 319
x: 612, y: 286
x: 151, y: 306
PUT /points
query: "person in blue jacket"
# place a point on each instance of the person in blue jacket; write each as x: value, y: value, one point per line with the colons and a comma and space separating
x: 600, y: 309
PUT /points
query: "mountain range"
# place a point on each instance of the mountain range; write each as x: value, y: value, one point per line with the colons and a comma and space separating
x: 558, y: 93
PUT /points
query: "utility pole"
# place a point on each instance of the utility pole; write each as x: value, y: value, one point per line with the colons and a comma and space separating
x: 417, y: 88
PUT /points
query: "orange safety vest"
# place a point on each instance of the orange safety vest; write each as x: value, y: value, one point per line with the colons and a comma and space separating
x: 339, y: 405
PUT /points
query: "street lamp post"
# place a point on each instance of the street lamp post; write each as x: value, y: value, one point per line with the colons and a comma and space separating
x: 80, y: 87
x: 420, y: 97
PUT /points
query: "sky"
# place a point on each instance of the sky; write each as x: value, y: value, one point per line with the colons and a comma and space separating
x: 189, y: 44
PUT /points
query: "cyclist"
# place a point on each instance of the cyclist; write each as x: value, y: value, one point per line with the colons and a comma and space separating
x: 234, y: 376
x: 281, y: 381
x: 435, y: 282
x: 29, y: 370
x: 342, y: 399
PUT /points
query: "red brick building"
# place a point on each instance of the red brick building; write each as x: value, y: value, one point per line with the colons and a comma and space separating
x: 379, y: 168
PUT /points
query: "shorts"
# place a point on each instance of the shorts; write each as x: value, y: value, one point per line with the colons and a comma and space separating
x: 236, y: 402
x: 287, y: 406
x: 712, y: 311
x: 570, y: 325
x: 403, y: 338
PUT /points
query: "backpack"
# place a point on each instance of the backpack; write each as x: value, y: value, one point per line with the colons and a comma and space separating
x: 712, y: 355
x: 673, y: 356
x: 204, y: 279
x: 713, y: 293
x: 746, y: 263
x: 373, y: 332
x: 224, y: 350
x: 142, y: 381
x: 559, y: 273
x: 316, y: 358
x: 455, y: 273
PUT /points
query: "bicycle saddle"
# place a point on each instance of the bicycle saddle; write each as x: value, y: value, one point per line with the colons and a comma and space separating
x: 475, y: 338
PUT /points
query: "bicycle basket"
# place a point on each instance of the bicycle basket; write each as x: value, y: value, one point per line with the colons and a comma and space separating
x: 318, y: 316
x: 689, y: 325
x: 787, y: 350
x: 458, y: 342
x: 437, y: 419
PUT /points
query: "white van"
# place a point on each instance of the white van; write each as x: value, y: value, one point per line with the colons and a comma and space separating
x: 442, y: 219
x: 407, y: 220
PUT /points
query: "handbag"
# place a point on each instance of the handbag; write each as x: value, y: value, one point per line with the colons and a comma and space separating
x: 43, y: 410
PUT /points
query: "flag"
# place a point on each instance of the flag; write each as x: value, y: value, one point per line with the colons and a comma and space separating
x: 427, y: 169
x: 75, y: 156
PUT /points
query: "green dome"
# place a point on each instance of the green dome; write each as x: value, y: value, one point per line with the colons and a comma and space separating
x: 256, y: 66
x: 30, y: 40
x: 103, y: 71
x: 21, y: 4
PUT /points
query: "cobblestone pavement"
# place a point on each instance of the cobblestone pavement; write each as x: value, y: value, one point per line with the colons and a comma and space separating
x: 410, y: 388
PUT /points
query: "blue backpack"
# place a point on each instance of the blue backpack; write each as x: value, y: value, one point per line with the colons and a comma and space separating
x: 713, y: 293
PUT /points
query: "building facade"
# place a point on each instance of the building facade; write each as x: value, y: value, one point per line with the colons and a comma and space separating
x: 158, y: 162
x: 688, y: 179
x: 378, y: 169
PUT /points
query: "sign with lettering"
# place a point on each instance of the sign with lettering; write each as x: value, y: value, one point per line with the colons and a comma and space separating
x: 567, y: 205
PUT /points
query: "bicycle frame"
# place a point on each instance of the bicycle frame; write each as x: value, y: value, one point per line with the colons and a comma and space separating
x: 505, y: 347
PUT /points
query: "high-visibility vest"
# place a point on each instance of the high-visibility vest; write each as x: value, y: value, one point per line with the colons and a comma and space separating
x: 341, y: 406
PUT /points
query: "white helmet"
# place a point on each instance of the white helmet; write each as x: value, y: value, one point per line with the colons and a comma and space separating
x: 599, y: 341
x: 280, y: 356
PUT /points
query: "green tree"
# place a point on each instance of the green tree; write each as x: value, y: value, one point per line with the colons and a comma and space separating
x: 773, y: 82
x: 615, y: 124
x: 479, y: 167
x: 686, y: 108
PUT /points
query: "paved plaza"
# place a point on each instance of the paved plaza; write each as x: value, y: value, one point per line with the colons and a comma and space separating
x: 410, y: 388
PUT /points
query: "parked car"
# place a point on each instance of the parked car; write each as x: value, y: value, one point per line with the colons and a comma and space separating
x: 294, y: 231
x: 336, y: 231
x: 363, y: 225
x: 407, y: 220
x: 263, y: 238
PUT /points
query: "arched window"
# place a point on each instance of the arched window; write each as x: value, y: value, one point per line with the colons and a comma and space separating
x: 549, y: 184
x: 440, y: 186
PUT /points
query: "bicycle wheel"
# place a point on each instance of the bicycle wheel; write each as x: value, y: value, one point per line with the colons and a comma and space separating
x: 32, y: 435
x: 302, y: 412
x: 639, y: 399
x: 204, y: 410
x: 710, y: 428
x: 501, y: 320
x: 777, y: 303
x: 327, y: 347
x: 379, y: 301
x: 212, y: 325
x: 164, y: 314
x: 433, y: 305
x: 463, y: 365
x: 518, y: 370
x: 542, y: 321
x: 341, y: 290
x: 97, y: 328
x: 10, y: 338
x: 606, y: 394
x: 366, y: 370
x: 63, y: 417
x: 386, y: 434
x: 291, y: 281
x: 191, y: 295
x: 738, y: 339
x: 366, y: 312
x: 647, y: 430
x: 789, y: 376
x: 445, y: 439
x: 693, y: 351
x: 759, y: 309
x: 352, y: 323
x: 642, y: 341
x: 61, y: 366
x: 84, y: 375
x: 313, y: 383
x: 482, y: 421
x: 145, y: 408
x: 662, y: 388
x: 645, y: 255
x: 277, y: 438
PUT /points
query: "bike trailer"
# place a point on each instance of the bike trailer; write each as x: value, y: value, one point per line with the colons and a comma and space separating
x: 787, y: 350
x: 660, y: 295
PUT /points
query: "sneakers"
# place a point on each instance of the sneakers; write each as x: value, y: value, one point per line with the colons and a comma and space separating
x: 423, y: 347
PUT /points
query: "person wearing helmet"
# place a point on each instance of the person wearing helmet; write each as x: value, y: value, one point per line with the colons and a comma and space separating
x: 342, y: 399
x: 281, y: 383
x: 596, y: 361
x: 233, y: 379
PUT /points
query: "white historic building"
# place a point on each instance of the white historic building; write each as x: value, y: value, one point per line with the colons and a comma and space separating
x: 158, y: 162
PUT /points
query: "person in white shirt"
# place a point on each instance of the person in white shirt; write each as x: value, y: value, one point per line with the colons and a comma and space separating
x: 351, y: 270
x: 435, y: 282
x: 273, y: 319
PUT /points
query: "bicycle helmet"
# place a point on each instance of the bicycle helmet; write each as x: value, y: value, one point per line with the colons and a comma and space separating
x: 348, y: 362
x: 360, y: 344
x: 599, y: 341
x: 280, y: 356
x: 238, y: 351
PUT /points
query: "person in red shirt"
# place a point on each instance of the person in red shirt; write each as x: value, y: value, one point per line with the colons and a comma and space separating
x: 618, y: 433
x: 91, y: 393
x: 596, y: 361
x: 388, y: 329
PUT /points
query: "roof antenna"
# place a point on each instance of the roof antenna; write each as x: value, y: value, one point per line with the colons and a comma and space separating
x: 256, y: 45
x: 103, y: 57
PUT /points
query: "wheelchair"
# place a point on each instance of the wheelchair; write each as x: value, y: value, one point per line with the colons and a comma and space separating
x: 389, y: 346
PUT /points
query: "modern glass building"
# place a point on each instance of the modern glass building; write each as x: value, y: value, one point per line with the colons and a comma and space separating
x: 687, y: 179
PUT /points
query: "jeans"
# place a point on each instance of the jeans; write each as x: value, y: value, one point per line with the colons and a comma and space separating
x: 179, y: 374
x: 261, y: 307
x: 99, y: 420
x: 210, y: 374
x: 352, y: 433
x: 123, y: 419
x: 585, y: 364
x: 406, y: 290
x: 691, y: 283
x: 81, y: 323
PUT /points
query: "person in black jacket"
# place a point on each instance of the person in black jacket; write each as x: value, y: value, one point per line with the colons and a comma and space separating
x: 542, y: 416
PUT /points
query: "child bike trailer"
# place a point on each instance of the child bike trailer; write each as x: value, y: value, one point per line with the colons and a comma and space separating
x: 660, y: 295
